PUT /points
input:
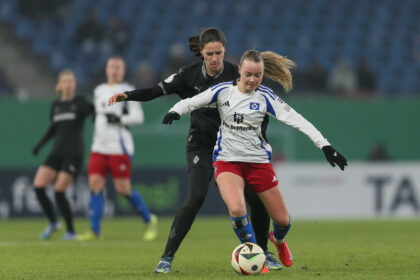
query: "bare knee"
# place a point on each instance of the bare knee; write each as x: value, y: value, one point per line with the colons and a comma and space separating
x: 123, y: 186
x: 96, y: 183
x: 237, y: 210
x: 281, y: 220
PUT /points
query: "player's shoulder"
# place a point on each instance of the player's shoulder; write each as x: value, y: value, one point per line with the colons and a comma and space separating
x: 80, y: 99
x: 190, y: 69
x: 229, y: 65
x: 266, y: 92
x: 100, y: 87
x: 126, y: 86
x: 222, y: 86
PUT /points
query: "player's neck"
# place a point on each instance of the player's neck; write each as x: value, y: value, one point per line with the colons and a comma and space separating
x: 113, y: 83
x: 242, y: 88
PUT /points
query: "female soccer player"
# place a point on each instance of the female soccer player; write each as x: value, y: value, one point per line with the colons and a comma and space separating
x: 241, y: 154
x: 63, y: 164
x: 112, y: 149
x: 187, y: 82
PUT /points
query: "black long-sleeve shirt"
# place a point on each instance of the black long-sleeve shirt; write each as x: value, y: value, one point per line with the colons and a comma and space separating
x: 67, y: 123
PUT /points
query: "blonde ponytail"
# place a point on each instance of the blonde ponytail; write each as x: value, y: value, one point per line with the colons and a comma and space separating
x: 276, y: 67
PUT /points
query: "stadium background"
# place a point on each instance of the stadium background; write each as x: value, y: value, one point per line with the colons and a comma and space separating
x: 369, y: 113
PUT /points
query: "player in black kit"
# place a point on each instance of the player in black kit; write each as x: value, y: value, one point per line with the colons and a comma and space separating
x: 63, y: 164
x: 187, y: 82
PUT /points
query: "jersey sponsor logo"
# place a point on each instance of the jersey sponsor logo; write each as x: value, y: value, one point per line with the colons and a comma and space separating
x: 170, y: 79
x: 238, y: 128
x: 64, y: 117
x: 226, y: 103
x: 238, y: 118
x: 254, y: 106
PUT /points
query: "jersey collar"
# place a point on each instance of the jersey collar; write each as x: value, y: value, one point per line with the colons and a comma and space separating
x: 206, y: 76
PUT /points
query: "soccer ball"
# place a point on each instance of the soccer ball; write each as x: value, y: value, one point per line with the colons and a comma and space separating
x: 248, y: 258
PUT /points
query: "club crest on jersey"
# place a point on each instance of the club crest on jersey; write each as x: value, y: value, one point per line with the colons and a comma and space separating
x: 238, y: 118
x: 254, y: 106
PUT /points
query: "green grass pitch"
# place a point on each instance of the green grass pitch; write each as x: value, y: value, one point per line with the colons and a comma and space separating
x: 368, y: 249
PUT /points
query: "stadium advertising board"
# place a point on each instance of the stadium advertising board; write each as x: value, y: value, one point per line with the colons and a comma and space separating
x: 164, y: 191
x: 362, y: 191
x: 311, y: 191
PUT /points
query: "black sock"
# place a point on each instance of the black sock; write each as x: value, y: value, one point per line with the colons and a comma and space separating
x: 260, y: 220
x: 64, y: 205
x: 46, y: 204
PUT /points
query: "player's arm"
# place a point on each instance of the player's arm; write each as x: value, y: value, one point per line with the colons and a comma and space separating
x: 286, y: 114
x: 188, y: 105
x: 45, y: 138
x: 175, y: 83
x: 132, y: 114
x: 142, y: 94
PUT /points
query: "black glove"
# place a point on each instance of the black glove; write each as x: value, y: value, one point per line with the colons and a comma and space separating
x: 170, y: 117
x: 111, y: 118
x: 35, y: 150
x: 334, y: 157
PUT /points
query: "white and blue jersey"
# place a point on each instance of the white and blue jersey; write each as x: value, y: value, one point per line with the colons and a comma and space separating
x: 114, y: 138
x: 239, y: 137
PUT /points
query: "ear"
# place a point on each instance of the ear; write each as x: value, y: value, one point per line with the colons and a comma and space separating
x: 239, y: 68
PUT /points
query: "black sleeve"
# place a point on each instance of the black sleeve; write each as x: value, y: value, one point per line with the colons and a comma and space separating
x: 50, y: 132
x: 144, y: 94
x: 47, y: 136
x: 87, y: 107
x: 177, y: 83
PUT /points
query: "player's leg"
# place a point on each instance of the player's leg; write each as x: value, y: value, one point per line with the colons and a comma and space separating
x: 231, y: 187
x: 259, y: 217
x: 120, y: 166
x: 63, y: 182
x: 97, y: 172
x: 260, y: 221
x: 200, y: 172
x: 45, y: 175
x: 262, y: 179
x: 123, y: 187
x: 276, y: 207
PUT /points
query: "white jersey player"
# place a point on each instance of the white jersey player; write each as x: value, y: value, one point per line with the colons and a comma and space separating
x: 111, y: 134
x: 112, y: 150
x: 241, y: 154
x: 240, y: 137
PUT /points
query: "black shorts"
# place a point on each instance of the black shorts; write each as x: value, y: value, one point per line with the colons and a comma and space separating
x: 67, y: 163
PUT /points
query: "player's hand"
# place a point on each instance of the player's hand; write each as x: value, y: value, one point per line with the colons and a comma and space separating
x: 35, y: 150
x: 334, y: 157
x: 170, y: 117
x: 118, y: 97
x: 112, y: 118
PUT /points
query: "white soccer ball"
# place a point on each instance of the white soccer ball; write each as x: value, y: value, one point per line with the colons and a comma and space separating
x: 248, y: 258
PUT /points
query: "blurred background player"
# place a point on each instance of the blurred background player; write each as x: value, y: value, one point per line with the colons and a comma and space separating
x: 242, y: 155
x: 68, y: 114
x: 112, y: 150
x: 187, y: 82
